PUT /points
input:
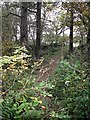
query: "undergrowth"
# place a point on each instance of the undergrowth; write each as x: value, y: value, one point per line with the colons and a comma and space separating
x: 71, y: 91
x: 64, y: 96
x: 21, y: 95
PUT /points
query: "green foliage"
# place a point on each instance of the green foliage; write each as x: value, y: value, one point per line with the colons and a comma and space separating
x: 64, y: 96
x: 22, y: 109
x: 71, y: 90
x: 18, y: 76
x: 22, y: 95
x: 12, y: 67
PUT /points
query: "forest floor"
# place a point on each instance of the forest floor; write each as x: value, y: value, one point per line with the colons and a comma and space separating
x: 44, y: 73
x: 47, y: 70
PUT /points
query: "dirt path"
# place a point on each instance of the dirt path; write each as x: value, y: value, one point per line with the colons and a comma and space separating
x: 48, y: 69
x: 43, y: 75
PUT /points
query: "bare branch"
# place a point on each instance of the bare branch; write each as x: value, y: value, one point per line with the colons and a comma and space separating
x: 32, y: 11
x: 11, y: 14
x: 62, y: 30
x: 15, y: 14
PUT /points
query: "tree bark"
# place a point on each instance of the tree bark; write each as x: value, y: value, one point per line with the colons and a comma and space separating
x: 71, y: 31
x: 88, y: 39
x: 38, y: 30
x: 88, y: 53
x: 88, y: 43
x: 23, y: 27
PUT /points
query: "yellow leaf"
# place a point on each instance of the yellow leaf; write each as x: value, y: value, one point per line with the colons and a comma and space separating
x: 40, y: 102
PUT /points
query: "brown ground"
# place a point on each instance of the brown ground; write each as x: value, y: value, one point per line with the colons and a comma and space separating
x: 48, y: 69
x: 44, y: 74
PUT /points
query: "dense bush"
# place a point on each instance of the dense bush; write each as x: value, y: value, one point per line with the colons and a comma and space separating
x: 71, y: 90
x: 64, y: 96
x: 23, y: 97
x: 18, y: 77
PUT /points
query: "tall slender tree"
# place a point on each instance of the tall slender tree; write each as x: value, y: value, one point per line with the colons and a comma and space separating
x: 88, y: 37
x: 23, y: 27
x: 71, y: 30
x: 38, y: 30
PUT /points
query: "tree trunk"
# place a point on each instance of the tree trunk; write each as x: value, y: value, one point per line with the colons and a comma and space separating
x: 88, y: 42
x: 38, y: 30
x: 71, y: 31
x: 88, y: 38
x: 88, y: 59
x: 23, y: 29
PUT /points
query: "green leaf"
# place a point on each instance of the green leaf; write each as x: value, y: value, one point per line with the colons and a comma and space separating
x: 35, y: 103
x: 34, y: 113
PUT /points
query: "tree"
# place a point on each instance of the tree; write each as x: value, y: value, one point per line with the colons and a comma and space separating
x: 23, y: 27
x: 83, y: 11
x: 68, y: 6
x: 88, y: 37
x: 71, y: 29
x: 38, y: 30
x: 7, y: 23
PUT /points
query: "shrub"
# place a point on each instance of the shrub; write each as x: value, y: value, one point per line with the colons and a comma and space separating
x: 19, y: 93
x: 71, y: 90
